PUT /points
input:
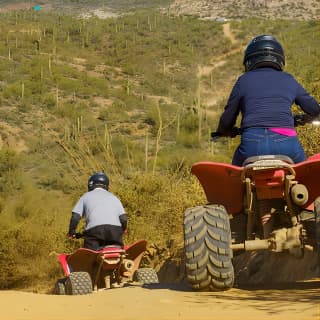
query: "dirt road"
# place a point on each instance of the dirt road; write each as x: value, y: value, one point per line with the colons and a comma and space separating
x: 300, y: 301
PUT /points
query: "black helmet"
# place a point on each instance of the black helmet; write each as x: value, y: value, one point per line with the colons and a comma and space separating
x: 264, y: 51
x: 98, y: 179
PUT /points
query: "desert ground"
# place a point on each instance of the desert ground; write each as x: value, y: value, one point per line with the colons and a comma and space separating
x: 299, y: 301
x: 267, y: 287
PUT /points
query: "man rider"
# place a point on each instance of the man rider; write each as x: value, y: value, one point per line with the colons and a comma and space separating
x: 106, y: 219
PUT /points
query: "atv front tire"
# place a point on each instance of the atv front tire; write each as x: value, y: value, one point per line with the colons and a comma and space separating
x: 207, y: 239
x: 146, y: 276
x: 60, y: 288
x: 78, y: 283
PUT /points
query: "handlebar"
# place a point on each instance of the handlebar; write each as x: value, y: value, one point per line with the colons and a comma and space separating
x: 302, y: 119
x: 215, y: 135
x: 77, y: 235
x: 299, y: 120
x: 235, y: 131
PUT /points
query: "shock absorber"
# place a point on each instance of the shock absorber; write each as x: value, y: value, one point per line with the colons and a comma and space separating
x: 267, y: 210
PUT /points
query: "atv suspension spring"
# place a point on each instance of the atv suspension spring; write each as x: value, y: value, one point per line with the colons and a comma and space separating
x: 267, y: 210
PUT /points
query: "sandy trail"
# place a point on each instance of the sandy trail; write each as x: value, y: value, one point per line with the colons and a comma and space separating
x: 208, y: 95
x: 228, y: 33
x: 300, y: 301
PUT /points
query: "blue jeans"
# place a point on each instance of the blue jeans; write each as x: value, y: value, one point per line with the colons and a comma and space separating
x: 261, y: 141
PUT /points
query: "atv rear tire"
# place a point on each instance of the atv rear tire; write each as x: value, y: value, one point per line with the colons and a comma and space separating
x: 146, y: 276
x: 60, y: 288
x: 78, y: 283
x: 207, y: 238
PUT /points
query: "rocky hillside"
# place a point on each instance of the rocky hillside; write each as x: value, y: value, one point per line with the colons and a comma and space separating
x: 240, y: 9
x: 207, y: 9
x: 100, y: 8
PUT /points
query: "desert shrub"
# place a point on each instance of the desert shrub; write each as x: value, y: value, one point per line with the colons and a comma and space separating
x: 12, y: 91
x: 310, y: 137
x: 9, y: 171
x: 155, y: 204
x: 48, y: 101
x: 31, y: 229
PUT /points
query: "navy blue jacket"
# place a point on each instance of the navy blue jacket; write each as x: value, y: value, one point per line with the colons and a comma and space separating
x: 264, y: 97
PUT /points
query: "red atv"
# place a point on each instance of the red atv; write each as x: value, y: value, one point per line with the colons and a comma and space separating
x: 268, y: 204
x: 87, y: 270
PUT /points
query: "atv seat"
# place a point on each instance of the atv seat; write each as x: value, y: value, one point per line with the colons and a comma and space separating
x: 268, y: 157
x: 110, y: 248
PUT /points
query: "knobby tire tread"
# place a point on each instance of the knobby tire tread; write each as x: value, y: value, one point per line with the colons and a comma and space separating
x: 146, y: 276
x: 78, y: 283
x: 208, y: 254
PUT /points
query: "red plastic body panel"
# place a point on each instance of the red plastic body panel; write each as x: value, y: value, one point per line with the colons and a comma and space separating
x: 269, y: 184
x: 308, y: 173
x: 85, y: 259
x: 222, y: 183
x: 135, y: 249
x: 63, y: 261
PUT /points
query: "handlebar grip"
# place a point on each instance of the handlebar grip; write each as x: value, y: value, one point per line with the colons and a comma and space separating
x: 215, y: 135
x: 302, y: 119
x: 299, y: 120
x: 235, y: 131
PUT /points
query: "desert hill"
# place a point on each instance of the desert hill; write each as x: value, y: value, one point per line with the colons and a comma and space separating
x: 241, y: 9
x: 213, y: 10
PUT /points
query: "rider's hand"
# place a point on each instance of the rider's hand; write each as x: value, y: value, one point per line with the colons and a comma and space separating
x: 301, y: 119
x: 235, y: 131
x: 215, y: 135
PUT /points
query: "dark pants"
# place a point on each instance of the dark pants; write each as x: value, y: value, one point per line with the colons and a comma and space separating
x: 261, y: 141
x: 101, y: 236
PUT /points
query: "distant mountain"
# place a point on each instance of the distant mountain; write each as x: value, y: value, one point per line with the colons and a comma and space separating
x: 101, y: 8
x: 206, y: 9
x: 240, y: 9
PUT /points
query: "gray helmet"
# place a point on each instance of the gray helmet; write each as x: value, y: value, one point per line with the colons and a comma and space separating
x: 264, y: 51
x: 98, y: 180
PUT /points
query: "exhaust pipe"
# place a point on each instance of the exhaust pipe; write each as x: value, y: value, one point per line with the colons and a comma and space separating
x: 299, y: 194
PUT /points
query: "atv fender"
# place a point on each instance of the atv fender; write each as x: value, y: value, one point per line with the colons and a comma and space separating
x: 222, y: 182
x: 135, y: 253
x: 308, y: 173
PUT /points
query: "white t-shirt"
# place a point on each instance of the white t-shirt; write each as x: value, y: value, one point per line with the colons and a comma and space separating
x: 99, y: 207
